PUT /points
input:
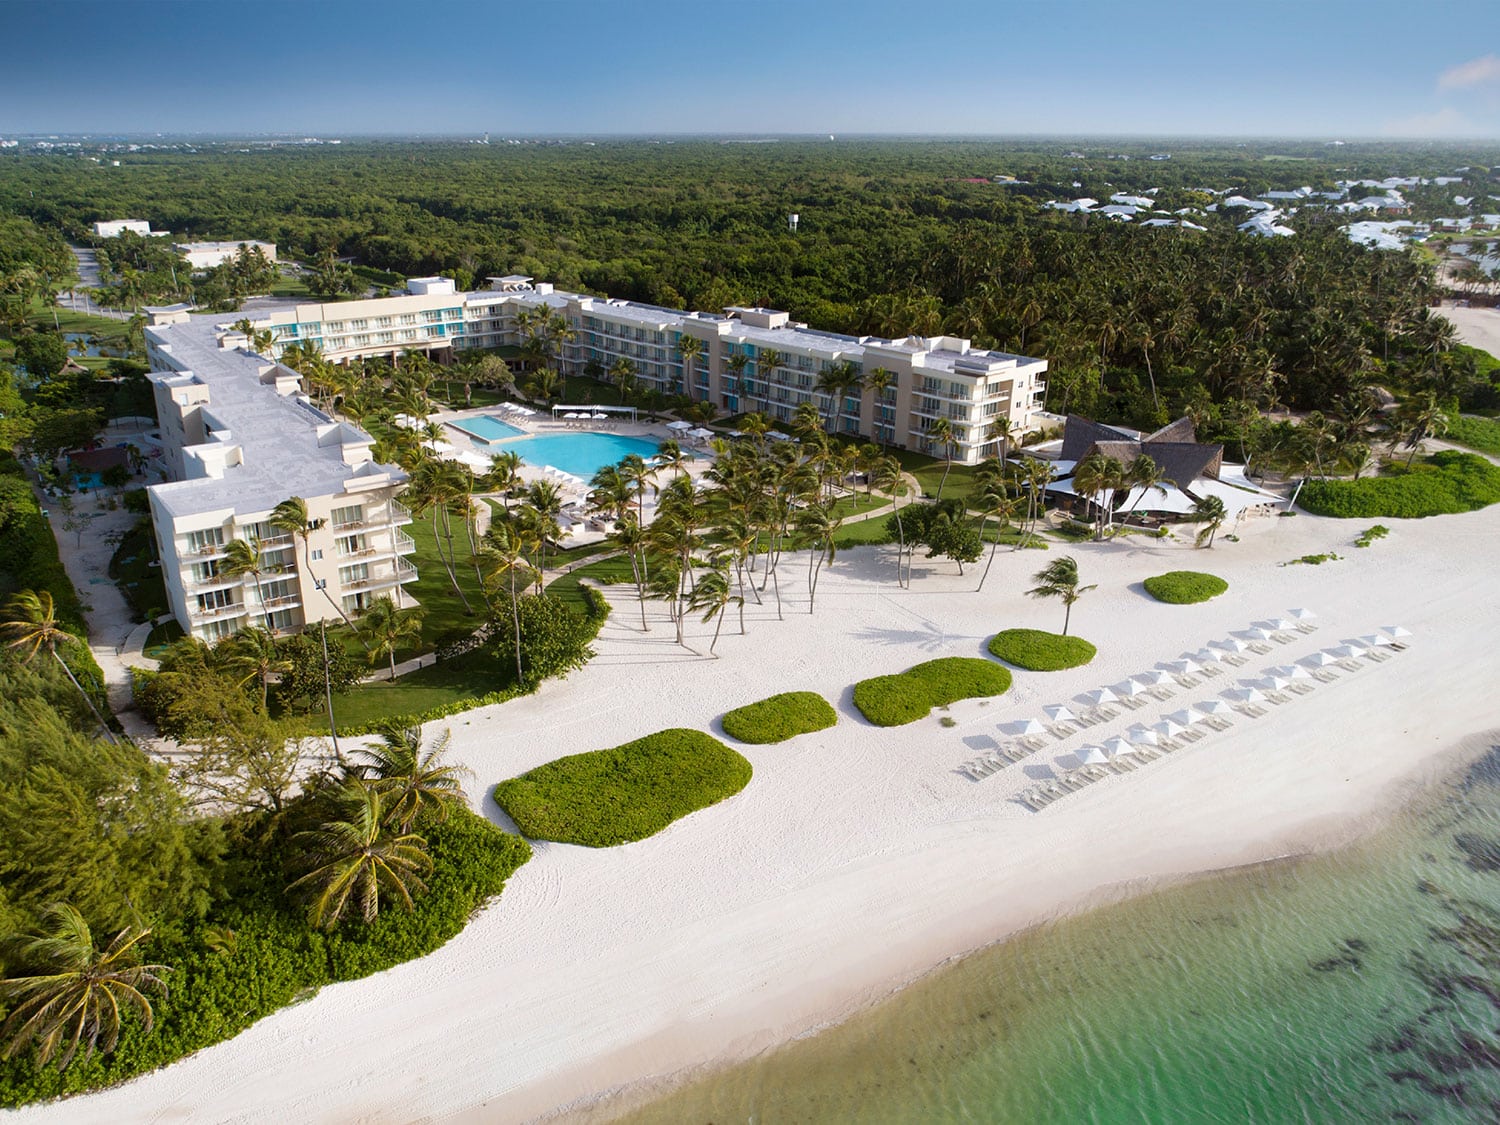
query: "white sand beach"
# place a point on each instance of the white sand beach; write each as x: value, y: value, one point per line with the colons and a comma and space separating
x: 1477, y: 326
x: 859, y: 858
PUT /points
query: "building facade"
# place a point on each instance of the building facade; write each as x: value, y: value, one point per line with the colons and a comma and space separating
x: 237, y: 439
x: 744, y: 359
x: 207, y: 255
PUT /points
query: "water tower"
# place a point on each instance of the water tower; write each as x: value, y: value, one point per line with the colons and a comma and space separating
x: 791, y: 222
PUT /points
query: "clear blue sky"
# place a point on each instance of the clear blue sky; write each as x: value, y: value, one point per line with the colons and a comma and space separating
x: 1322, y: 68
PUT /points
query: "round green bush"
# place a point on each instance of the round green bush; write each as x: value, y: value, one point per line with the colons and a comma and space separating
x: 892, y: 701
x: 1039, y: 651
x: 780, y: 717
x: 616, y: 796
x: 1184, y: 587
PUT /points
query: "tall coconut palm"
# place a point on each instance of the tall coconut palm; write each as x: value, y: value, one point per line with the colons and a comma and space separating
x: 1211, y: 513
x: 1059, y: 579
x: 737, y: 364
x: 767, y: 360
x: 879, y: 380
x: 1098, y: 476
x: 354, y: 860
x: 64, y: 993
x: 244, y: 557
x: 631, y: 537
x: 1145, y: 474
x: 504, y: 476
x: 291, y: 517
x: 835, y: 382
x: 993, y: 502
x: 623, y: 371
x: 32, y: 626
x: 689, y: 348
x: 257, y: 654
x: 1000, y: 430
x: 416, y: 784
x: 713, y: 595
x: 817, y: 529
x: 887, y: 477
x: 386, y: 628
x: 669, y: 455
x: 940, y: 433
x: 502, y: 561
x: 641, y: 474
x: 1418, y: 419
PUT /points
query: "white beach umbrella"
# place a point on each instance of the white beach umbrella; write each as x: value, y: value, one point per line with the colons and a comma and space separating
x: 1256, y: 633
x: 1245, y: 695
x: 1058, y: 713
x: 1169, y: 727
x: 572, y: 414
x: 1302, y: 614
x: 1343, y: 652
x: 1319, y: 659
x: 1116, y: 746
x: 599, y: 416
x: 700, y: 433
x: 1375, y: 640
x: 1091, y: 756
x: 1395, y: 631
x: 1099, y: 696
x: 1277, y: 623
x: 1181, y: 719
x: 1142, y: 736
x: 1024, y: 726
x: 1212, y: 707
x: 1181, y: 667
x: 1204, y: 656
x: 1272, y: 682
x: 1229, y: 644
x: 1153, y: 678
x: 1127, y: 689
x: 1295, y: 672
x: 1353, y: 642
x: 679, y: 425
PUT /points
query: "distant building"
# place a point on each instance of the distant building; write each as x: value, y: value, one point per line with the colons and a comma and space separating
x: 113, y: 228
x: 207, y: 255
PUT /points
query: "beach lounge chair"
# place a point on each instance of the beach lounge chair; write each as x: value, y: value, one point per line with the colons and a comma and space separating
x: 1260, y: 647
x: 1325, y: 676
x: 1161, y: 694
x: 1250, y: 710
x: 1216, y: 722
x: 1350, y: 665
x: 1299, y: 688
x: 1060, y: 731
x: 1168, y: 744
x: 1278, y: 697
x: 1131, y: 702
x: 1212, y: 670
x: 1379, y: 657
x: 1187, y: 681
x: 1014, y: 752
x: 1032, y: 742
x: 1032, y: 799
x: 1306, y: 627
x: 1190, y: 735
x: 1236, y: 659
x: 1283, y: 638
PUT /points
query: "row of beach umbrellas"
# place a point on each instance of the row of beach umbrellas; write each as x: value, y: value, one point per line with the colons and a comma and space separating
x: 597, y: 416
x: 516, y: 408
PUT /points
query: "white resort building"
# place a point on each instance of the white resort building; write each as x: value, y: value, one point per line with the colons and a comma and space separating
x: 237, y: 439
x: 930, y: 377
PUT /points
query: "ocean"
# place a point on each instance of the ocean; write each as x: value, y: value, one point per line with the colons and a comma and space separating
x: 1361, y: 985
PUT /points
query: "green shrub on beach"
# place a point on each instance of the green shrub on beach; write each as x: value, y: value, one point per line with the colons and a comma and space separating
x: 780, y: 717
x: 608, y: 797
x: 1476, y: 433
x: 892, y: 701
x: 1039, y: 651
x: 1443, y: 484
x: 1185, y: 587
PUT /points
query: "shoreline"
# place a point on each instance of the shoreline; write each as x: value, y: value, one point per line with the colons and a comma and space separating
x: 1403, y: 797
x: 859, y: 858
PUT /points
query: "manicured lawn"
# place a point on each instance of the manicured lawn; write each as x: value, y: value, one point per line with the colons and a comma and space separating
x: 780, y: 717
x: 890, y: 701
x: 627, y: 793
x: 139, y: 581
x: 442, y: 684
x: 606, y: 572
x: 1443, y: 484
x: 1185, y: 587
x: 444, y: 610
x: 1039, y: 651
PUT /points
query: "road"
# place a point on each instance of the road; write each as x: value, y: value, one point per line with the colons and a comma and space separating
x: 88, y: 278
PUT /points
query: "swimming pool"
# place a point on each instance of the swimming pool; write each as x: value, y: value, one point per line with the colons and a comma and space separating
x: 582, y: 454
x: 487, y: 428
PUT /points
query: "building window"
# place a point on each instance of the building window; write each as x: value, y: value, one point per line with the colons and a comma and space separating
x: 352, y: 513
x: 350, y: 545
x: 206, y: 540
x: 317, y: 554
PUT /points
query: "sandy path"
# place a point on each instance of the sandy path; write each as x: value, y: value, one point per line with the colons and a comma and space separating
x: 1477, y: 327
x: 859, y: 858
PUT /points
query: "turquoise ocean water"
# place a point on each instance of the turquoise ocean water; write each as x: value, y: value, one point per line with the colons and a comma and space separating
x: 1358, y: 986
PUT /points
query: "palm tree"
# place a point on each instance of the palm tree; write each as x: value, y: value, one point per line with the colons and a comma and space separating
x: 32, y: 624
x: 879, y: 380
x: 69, y: 992
x: 1144, y: 473
x: 766, y: 363
x: 417, y: 784
x: 689, y: 348
x: 834, y: 382
x: 1210, y: 512
x: 737, y: 364
x: 640, y: 473
x: 355, y: 859
x: 1059, y: 579
x: 887, y: 477
x: 244, y: 557
x: 1418, y: 419
x: 387, y: 628
x: 817, y: 529
x: 1098, y: 476
x: 631, y: 537
x: 1000, y: 430
x: 622, y: 371
x: 257, y: 653
x: 503, y: 559
x: 504, y: 476
x: 712, y: 594
x: 940, y: 433
x: 669, y: 455
x: 993, y: 500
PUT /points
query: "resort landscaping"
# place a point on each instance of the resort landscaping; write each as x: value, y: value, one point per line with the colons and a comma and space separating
x: 780, y: 717
x: 627, y: 793
x: 1039, y: 651
x: 1185, y: 587
x: 1443, y: 484
x: 893, y: 701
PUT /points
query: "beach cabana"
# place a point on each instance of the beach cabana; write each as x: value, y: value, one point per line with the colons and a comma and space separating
x: 1212, y: 707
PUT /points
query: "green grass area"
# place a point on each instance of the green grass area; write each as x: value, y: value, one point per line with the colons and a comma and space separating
x: 444, y: 610
x: 780, y: 717
x: 608, y: 797
x: 1443, y: 484
x: 291, y: 285
x: 161, y: 636
x: 444, y: 684
x: 891, y: 701
x: 139, y: 581
x: 111, y: 332
x: 1476, y: 433
x: 1039, y: 651
x: 606, y: 572
x: 1185, y: 587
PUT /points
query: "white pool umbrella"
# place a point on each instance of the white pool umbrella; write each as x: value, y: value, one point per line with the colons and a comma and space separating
x: 1256, y: 633
x: 1181, y: 667
x: 1153, y: 678
x: 679, y: 425
x: 1302, y: 614
x: 1212, y: 707
x: 1395, y: 631
x: 1127, y: 689
x: 1058, y: 713
x: 599, y: 417
x: 1375, y: 640
x: 700, y: 433
x: 1099, y: 696
x: 1116, y: 746
x: 1024, y: 726
x: 1180, y: 719
x: 1319, y: 660
x: 1169, y: 728
x: 1142, y: 736
x: 1091, y: 755
x: 1295, y: 672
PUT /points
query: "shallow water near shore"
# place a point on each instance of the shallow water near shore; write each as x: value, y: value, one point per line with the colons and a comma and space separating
x: 1361, y: 985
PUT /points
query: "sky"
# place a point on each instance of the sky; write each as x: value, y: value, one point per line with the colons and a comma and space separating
x: 1330, y: 69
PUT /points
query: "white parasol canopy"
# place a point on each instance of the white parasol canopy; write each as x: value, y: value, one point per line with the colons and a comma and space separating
x: 1374, y: 640
x: 1395, y: 631
x: 1116, y: 746
x: 1354, y: 642
x: 1245, y: 695
x: 1256, y: 633
x: 1229, y: 644
x: 1099, y: 695
x: 700, y: 433
x: 1181, y: 667
x: 1153, y: 678
x: 1302, y: 614
x: 1141, y: 736
x: 1319, y: 659
x: 1290, y: 671
x: 1169, y: 728
x: 1180, y: 719
x: 1091, y: 756
x: 1204, y: 656
x: 1212, y: 707
x: 1272, y: 682
x: 1058, y: 713
x: 679, y: 425
x: 1024, y: 726
x: 1343, y: 652
x: 1127, y: 688
x: 1277, y: 623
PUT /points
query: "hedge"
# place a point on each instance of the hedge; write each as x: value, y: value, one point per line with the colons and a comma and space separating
x: 1185, y: 587
x: 1444, y: 484
x: 1476, y: 433
x: 1039, y: 651
x: 606, y: 797
x: 892, y: 701
x: 274, y: 958
x: 780, y: 717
